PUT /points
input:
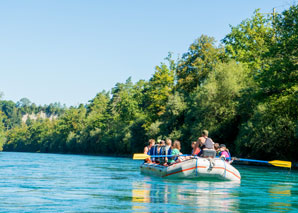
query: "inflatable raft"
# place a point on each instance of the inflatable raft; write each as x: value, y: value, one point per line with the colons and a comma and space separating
x: 194, y: 168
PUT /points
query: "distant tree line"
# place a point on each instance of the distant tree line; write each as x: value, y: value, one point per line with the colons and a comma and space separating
x: 244, y: 91
x: 12, y: 112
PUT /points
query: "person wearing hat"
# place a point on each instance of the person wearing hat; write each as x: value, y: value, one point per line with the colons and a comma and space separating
x: 206, y: 145
x: 208, y: 142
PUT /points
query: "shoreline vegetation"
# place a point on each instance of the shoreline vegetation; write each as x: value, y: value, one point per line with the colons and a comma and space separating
x: 244, y: 91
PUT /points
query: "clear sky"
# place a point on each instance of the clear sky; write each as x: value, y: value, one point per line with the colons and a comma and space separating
x: 68, y: 50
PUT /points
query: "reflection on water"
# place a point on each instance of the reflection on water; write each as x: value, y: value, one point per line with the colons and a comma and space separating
x: 280, y: 195
x: 185, y: 194
x: 269, y: 189
x: 260, y: 190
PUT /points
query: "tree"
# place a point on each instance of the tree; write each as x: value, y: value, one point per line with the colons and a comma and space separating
x: 282, y: 74
x: 159, y: 88
x: 2, y: 130
x: 249, y: 42
x: 23, y: 102
x: 197, y: 63
x: 271, y: 132
x: 123, y: 103
x: 17, y: 138
x: 173, y: 118
x: 213, y: 106
x: 12, y: 115
x: 99, y: 103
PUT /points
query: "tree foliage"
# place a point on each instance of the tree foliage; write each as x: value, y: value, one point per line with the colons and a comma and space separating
x: 197, y: 63
x: 244, y: 91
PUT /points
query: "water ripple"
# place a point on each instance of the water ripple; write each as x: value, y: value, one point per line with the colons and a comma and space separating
x: 32, y: 182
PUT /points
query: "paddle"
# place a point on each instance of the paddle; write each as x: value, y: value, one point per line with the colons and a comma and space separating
x: 141, y: 156
x: 279, y: 163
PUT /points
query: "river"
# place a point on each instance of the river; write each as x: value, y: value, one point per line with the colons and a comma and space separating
x: 33, y: 182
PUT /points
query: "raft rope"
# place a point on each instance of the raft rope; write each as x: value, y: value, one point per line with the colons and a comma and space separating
x: 196, y: 166
x: 211, y: 163
x: 225, y: 173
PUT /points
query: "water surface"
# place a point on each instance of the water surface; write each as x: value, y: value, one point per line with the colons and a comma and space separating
x: 32, y: 182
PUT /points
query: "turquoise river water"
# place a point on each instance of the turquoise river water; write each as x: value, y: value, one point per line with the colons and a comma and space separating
x: 32, y: 182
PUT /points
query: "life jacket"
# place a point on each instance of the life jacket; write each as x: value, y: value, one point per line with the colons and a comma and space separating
x: 230, y: 156
x: 226, y: 158
x: 148, y: 153
x: 197, y: 151
x: 153, y: 151
x: 161, y: 152
x: 168, y: 151
x: 164, y: 150
x: 149, y: 150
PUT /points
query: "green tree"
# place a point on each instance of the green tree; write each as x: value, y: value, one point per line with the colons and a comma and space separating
x: 249, y: 42
x: 173, y: 118
x: 213, y: 106
x: 282, y: 74
x: 271, y: 132
x: 123, y: 103
x: 17, y: 139
x: 197, y: 63
x: 23, y: 102
x: 12, y: 115
x: 2, y: 130
x: 159, y: 88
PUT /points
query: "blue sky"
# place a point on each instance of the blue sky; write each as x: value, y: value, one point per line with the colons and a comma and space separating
x: 68, y: 50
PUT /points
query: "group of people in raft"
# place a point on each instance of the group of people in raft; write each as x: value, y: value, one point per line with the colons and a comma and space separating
x: 203, y: 147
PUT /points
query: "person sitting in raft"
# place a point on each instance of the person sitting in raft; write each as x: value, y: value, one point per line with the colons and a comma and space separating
x: 167, y: 151
x: 200, y: 146
x: 216, y: 147
x: 206, y: 145
x: 208, y: 142
x: 154, y: 151
x: 159, y: 151
x: 148, y: 148
x: 224, y: 153
x: 162, y: 143
x: 193, y: 144
x: 176, y: 152
x: 196, y: 149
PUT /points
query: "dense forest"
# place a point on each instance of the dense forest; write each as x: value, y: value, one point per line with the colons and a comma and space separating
x: 243, y: 89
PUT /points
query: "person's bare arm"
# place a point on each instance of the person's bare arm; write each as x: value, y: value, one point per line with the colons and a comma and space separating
x: 146, y: 150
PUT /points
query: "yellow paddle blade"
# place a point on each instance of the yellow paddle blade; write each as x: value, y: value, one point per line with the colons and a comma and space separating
x: 280, y: 163
x: 140, y: 156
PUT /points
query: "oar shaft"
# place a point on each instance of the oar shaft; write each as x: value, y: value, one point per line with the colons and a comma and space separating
x: 279, y: 163
x: 156, y: 156
x: 251, y: 160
